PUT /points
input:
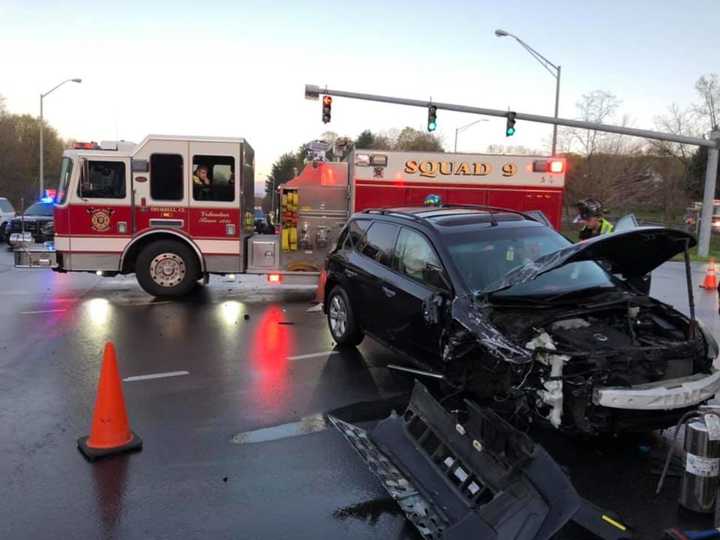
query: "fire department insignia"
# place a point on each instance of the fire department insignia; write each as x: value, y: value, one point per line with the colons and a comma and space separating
x: 100, y: 218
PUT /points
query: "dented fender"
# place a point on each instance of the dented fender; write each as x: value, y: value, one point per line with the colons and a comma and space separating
x: 467, y: 314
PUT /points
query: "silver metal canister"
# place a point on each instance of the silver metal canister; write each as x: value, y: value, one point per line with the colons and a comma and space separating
x: 702, y: 468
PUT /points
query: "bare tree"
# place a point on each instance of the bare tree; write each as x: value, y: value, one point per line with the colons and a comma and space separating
x: 708, y: 86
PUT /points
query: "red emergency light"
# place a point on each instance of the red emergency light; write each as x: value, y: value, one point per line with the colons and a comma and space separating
x: 86, y: 146
x: 555, y: 166
x: 274, y: 278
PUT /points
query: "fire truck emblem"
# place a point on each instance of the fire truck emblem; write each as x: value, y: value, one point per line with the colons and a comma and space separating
x: 100, y: 218
x: 378, y: 172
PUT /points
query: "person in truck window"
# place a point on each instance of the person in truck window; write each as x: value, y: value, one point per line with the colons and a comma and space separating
x: 201, y: 182
x: 590, y: 214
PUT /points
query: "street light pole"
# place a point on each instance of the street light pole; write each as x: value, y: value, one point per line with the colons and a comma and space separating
x: 463, y: 128
x: 553, y: 69
x: 42, y: 129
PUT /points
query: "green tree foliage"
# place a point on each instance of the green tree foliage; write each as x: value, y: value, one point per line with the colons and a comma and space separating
x: 20, y: 144
x: 408, y: 139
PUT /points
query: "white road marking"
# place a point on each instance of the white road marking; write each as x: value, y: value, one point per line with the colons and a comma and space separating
x: 311, y: 355
x: 306, y: 425
x: 42, y: 311
x: 156, y: 376
x: 315, y: 308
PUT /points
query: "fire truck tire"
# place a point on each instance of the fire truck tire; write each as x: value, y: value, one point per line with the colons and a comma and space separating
x: 341, y: 319
x: 167, y: 268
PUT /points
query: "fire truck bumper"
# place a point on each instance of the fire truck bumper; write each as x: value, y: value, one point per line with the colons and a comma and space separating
x: 29, y: 255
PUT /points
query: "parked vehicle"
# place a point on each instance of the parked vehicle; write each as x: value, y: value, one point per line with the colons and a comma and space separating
x: 509, y: 311
x: 35, y: 225
x: 7, y: 212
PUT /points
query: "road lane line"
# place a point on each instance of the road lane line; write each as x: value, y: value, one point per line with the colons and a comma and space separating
x: 311, y: 355
x: 306, y: 425
x: 156, y: 376
x: 42, y: 311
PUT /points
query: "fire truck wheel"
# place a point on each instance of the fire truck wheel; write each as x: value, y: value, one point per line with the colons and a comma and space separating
x: 167, y: 268
x: 341, y: 319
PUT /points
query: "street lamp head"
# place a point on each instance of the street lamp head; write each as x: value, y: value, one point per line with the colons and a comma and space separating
x: 501, y: 33
x: 77, y: 80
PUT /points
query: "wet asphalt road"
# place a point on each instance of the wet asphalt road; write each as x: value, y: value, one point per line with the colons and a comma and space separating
x: 210, y: 468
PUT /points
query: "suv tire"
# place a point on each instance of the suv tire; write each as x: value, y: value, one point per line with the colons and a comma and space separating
x: 167, y: 268
x: 341, y: 319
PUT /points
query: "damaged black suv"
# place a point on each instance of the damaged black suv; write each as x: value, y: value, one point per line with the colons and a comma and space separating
x: 502, y: 307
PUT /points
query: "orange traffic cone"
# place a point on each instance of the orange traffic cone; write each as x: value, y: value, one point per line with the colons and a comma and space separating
x: 320, y: 293
x: 710, y: 277
x: 110, y: 433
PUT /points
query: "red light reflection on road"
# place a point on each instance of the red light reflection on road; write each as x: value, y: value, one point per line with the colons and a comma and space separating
x: 271, y: 344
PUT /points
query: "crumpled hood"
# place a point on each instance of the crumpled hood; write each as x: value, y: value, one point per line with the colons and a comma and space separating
x: 631, y: 253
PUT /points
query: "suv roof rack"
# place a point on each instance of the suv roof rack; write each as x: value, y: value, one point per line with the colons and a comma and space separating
x: 390, y: 211
x: 415, y: 217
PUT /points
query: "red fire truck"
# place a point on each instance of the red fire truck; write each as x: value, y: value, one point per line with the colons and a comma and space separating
x: 174, y: 210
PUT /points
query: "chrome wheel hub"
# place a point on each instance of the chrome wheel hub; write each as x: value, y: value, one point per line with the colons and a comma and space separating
x: 167, y: 270
x: 338, y: 316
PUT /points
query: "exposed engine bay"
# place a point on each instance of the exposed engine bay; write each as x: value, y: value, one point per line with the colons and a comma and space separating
x: 548, y: 363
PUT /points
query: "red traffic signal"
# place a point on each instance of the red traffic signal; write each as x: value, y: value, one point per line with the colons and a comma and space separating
x: 326, y: 109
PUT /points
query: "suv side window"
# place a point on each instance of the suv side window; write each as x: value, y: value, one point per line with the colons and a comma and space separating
x: 414, y: 254
x: 355, y: 232
x: 379, y: 242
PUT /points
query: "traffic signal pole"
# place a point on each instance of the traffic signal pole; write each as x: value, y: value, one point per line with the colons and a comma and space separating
x: 713, y: 143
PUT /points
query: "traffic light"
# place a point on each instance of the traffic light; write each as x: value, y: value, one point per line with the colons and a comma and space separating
x: 510, y: 126
x: 326, y: 109
x: 432, y: 118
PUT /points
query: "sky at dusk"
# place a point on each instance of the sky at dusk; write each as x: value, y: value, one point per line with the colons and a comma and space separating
x: 239, y: 68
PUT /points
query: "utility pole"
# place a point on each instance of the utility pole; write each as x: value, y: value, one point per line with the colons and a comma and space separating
x: 713, y: 143
x: 709, y: 195
x: 42, y: 129
x: 463, y: 128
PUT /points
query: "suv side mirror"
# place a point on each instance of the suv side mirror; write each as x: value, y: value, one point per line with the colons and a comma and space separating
x: 435, y: 276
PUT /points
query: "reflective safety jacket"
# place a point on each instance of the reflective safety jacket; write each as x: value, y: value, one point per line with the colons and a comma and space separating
x: 605, y: 228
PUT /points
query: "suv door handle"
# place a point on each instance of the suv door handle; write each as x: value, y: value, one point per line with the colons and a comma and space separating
x: 388, y: 292
x: 350, y: 273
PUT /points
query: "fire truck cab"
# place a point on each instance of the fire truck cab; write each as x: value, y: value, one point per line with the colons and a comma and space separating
x: 170, y: 209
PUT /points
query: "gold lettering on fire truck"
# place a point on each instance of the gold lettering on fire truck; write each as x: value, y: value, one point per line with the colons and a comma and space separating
x: 209, y: 216
x: 432, y: 169
x: 509, y: 169
x: 411, y: 167
x: 100, y: 218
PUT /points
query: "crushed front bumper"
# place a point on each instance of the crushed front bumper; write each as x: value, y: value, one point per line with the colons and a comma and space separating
x: 475, y: 477
x: 662, y: 395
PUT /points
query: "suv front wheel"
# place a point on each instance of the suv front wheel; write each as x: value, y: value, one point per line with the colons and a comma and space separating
x: 341, y: 319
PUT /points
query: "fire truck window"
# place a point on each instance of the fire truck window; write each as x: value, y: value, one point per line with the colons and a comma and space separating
x: 415, y: 255
x: 166, y: 177
x: 105, y: 180
x: 379, y: 242
x: 214, y: 178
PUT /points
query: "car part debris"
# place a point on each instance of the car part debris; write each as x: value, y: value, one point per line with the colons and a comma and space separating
x: 601, y: 523
x: 678, y: 534
x: 465, y: 475
x: 416, y: 371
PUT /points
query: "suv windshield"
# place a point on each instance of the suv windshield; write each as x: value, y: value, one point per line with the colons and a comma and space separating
x: 5, y: 206
x: 483, y: 257
x: 40, y: 209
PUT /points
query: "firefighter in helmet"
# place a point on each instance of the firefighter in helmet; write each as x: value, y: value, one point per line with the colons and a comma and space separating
x: 590, y: 214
